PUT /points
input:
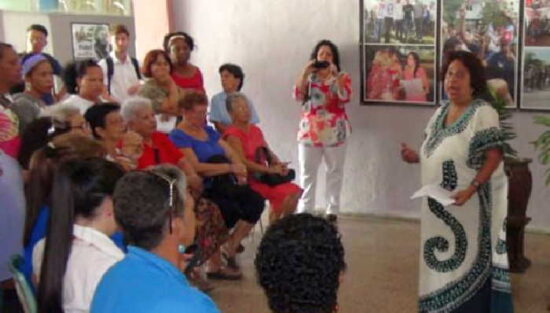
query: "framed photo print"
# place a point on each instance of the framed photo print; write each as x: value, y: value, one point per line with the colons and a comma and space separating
x: 90, y: 40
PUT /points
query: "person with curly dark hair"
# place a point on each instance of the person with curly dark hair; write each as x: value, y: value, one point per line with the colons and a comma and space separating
x: 462, y: 153
x: 299, y: 264
x: 180, y: 45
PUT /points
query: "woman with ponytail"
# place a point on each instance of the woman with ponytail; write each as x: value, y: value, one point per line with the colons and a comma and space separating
x: 77, y: 251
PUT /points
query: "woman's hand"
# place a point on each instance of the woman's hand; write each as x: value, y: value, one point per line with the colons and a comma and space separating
x: 308, y: 69
x: 409, y: 155
x: 464, y: 195
x: 277, y: 168
x: 132, y: 145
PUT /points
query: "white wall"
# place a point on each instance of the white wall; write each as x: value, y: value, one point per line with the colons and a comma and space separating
x: 272, y: 40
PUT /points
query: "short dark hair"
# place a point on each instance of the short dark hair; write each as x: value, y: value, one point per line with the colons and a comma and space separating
x: 235, y: 70
x: 144, y: 216
x: 298, y: 264
x: 188, y: 40
x: 192, y: 99
x: 38, y: 28
x: 119, y: 29
x: 4, y: 46
x: 75, y: 70
x: 150, y: 58
x: 333, y: 49
x: 96, y: 114
x: 478, y: 82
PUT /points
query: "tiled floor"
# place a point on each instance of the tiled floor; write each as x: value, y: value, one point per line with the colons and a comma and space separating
x: 382, y: 257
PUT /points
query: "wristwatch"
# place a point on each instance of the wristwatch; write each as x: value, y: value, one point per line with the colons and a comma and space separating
x: 475, y: 183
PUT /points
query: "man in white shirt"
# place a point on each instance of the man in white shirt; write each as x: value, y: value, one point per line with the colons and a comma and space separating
x: 120, y: 71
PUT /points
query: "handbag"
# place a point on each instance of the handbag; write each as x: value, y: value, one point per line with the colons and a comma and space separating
x: 263, y: 156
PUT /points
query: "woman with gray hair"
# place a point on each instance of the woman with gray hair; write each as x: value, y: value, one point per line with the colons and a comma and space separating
x: 268, y: 176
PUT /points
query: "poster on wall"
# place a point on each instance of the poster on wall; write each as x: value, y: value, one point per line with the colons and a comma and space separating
x: 398, y: 51
x: 489, y: 29
x: 90, y: 41
x: 536, y: 56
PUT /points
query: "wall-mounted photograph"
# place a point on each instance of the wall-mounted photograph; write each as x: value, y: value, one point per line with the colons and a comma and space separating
x: 90, y: 41
x: 489, y: 29
x: 403, y: 74
x: 537, y: 23
x: 399, y: 21
x: 536, y: 78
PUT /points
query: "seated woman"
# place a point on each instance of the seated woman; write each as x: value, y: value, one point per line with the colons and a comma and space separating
x: 107, y: 126
x: 213, y: 158
x: 77, y: 251
x: 84, y: 80
x: 299, y: 265
x: 248, y: 142
x: 232, y: 79
x: 38, y: 74
x: 157, y: 149
x: 38, y: 190
x: 156, y: 215
x: 160, y: 88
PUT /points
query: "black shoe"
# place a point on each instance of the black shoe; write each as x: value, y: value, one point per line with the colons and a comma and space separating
x: 332, y: 218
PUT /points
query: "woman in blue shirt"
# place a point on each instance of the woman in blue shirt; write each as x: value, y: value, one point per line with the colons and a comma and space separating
x: 214, y: 159
x: 156, y: 214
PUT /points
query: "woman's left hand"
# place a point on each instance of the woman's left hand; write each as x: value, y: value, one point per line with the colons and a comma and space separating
x: 342, y: 78
x: 463, y: 196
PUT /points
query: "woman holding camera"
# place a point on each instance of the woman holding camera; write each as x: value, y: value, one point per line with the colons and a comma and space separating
x: 323, y: 91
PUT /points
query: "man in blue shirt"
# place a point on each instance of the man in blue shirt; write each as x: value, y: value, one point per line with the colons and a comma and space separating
x: 232, y: 79
x: 158, y: 222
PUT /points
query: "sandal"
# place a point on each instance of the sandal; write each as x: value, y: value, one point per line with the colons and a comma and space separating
x: 231, y: 261
x: 224, y: 274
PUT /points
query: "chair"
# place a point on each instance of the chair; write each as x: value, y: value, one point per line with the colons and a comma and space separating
x: 24, y: 291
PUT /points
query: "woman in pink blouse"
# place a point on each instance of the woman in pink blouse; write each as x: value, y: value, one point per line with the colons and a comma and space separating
x: 247, y: 140
x: 323, y: 90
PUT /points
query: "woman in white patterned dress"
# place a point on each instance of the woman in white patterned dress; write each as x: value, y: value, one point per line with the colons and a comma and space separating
x: 463, y: 259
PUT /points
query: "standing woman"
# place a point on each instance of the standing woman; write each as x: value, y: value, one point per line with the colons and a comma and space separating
x: 324, y: 127
x: 187, y: 76
x: 38, y: 75
x: 416, y: 76
x: 463, y: 259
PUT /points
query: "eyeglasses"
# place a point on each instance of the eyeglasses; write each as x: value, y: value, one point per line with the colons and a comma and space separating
x: 171, y: 203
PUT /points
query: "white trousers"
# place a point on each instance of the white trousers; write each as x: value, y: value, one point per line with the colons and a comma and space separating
x: 310, y: 158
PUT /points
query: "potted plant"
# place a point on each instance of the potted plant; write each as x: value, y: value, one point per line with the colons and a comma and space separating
x: 519, y: 190
x: 542, y: 144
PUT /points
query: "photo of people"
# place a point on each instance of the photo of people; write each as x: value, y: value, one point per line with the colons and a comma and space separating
x: 536, y: 78
x: 399, y: 21
x: 90, y: 41
x: 488, y: 29
x: 399, y: 74
x: 537, y: 23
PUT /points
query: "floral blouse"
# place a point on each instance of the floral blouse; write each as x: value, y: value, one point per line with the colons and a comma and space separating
x: 324, y: 121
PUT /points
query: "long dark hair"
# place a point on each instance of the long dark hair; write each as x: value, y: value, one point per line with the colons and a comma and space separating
x: 333, y: 49
x: 79, y: 187
x: 43, y: 165
x: 416, y: 61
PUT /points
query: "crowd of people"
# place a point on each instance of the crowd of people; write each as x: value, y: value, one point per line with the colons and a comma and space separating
x: 125, y: 178
x: 127, y: 186
x: 402, y: 21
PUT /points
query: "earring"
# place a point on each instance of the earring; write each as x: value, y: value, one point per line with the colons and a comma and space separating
x: 181, y: 248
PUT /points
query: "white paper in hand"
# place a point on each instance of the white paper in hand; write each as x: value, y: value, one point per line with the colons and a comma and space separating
x: 435, y: 192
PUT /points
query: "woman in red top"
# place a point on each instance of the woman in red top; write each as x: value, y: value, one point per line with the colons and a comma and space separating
x: 186, y: 75
x: 246, y: 138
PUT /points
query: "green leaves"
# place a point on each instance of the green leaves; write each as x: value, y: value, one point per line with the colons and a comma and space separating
x: 542, y: 144
x: 508, y: 132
